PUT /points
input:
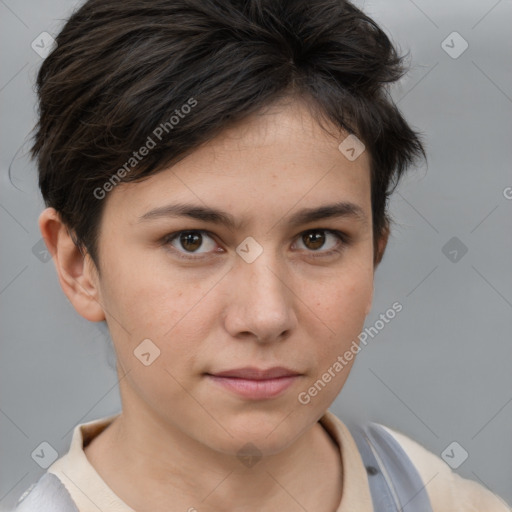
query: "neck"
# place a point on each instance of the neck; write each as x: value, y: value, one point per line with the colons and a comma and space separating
x: 170, y: 467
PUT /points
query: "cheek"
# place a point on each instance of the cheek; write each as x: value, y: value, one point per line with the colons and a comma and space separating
x: 150, y: 299
x: 349, y: 302
x: 342, y: 300
x: 339, y: 310
x: 173, y: 311
x: 169, y: 313
x: 338, y: 313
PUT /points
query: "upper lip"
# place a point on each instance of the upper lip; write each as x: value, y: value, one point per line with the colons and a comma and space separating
x: 253, y: 373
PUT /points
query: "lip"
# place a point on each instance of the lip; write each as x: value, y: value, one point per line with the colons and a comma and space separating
x: 254, y: 383
x: 253, y: 373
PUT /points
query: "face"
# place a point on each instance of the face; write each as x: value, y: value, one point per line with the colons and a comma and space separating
x: 274, y: 288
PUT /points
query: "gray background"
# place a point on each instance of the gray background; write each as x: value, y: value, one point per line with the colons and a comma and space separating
x: 439, y: 372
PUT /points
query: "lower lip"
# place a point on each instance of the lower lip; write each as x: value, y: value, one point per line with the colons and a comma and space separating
x: 256, y: 389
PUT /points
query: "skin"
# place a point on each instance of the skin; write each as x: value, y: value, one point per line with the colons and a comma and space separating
x: 179, y: 433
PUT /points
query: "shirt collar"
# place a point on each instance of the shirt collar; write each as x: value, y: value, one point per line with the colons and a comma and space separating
x: 90, y: 492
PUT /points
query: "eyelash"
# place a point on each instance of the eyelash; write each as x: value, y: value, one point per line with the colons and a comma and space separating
x: 342, y: 237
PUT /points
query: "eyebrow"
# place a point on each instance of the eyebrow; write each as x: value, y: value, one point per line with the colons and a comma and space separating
x: 215, y: 216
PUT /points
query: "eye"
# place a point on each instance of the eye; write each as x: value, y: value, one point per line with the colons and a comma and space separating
x: 190, y: 241
x: 187, y: 243
x: 315, y: 239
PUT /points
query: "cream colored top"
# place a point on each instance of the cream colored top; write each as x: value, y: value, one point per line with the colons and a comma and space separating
x: 448, y: 492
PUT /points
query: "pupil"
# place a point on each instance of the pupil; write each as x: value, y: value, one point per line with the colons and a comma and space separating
x: 316, y: 237
x: 192, y: 238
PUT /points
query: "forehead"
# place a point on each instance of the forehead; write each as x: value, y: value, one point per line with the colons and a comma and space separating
x: 272, y: 161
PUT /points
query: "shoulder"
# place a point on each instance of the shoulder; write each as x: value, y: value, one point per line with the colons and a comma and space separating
x: 48, y: 494
x: 446, y: 489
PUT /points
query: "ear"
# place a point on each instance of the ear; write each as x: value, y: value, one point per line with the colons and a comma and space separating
x: 382, y: 243
x: 77, y: 273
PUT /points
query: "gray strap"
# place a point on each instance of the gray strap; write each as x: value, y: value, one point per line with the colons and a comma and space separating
x: 48, y: 494
x: 395, y: 483
x: 382, y: 496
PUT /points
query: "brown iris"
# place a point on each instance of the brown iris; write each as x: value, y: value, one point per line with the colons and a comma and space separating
x: 194, y: 239
x: 317, y: 238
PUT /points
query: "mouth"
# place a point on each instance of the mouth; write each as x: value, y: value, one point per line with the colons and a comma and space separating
x: 255, y: 383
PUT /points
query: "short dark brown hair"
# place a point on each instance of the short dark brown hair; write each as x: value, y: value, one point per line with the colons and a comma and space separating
x: 123, y: 68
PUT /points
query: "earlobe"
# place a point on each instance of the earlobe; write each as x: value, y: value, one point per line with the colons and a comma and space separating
x: 77, y: 274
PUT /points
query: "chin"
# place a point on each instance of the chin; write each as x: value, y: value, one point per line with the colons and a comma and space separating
x: 270, y: 433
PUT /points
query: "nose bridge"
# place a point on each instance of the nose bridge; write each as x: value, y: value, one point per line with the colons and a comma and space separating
x: 264, y: 279
x: 262, y: 301
x: 256, y: 259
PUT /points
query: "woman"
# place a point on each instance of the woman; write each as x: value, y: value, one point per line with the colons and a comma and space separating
x: 216, y: 176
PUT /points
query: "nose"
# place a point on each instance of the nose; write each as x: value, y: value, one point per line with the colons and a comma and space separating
x: 261, y: 301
